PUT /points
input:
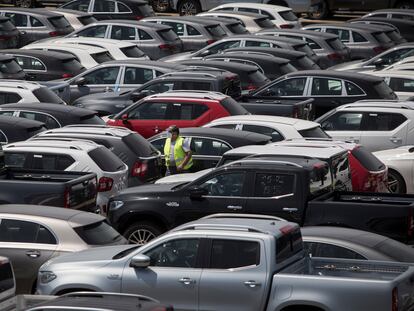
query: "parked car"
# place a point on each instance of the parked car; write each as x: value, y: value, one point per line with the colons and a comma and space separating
x: 155, y: 113
x: 117, y: 76
x: 33, y: 234
x: 10, y: 34
x: 195, y: 33
x: 336, y: 242
x: 328, y: 88
x: 375, y: 124
x: 327, y: 47
x: 281, y: 16
x: 88, y: 56
x: 36, y: 24
x: 209, y: 144
x: 363, y: 41
x: 101, y: 9
x: 403, y: 13
x: 39, y: 65
x: 14, y: 129
x: 76, y: 19
x: 52, y: 115
x: 231, y: 26
x: 10, y: 69
x: 8, y: 290
x: 154, y: 40
x: 404, y: 26
x: 400, y: 81
x: 390, y: 30
x: 143, y: 160
x: 245, y: 248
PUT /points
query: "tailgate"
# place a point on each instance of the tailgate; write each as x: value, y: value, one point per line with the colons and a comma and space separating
x: 81, y: 192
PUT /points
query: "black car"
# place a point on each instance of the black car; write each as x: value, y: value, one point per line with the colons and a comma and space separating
x: 14, y: 129
x: 390, y: 30
x: 36, y: 24
x: 9, y: 68
x: 104, y: 9
x: 328, y: 88
x: 405, y: 27
x: 40, y: 65
x: 143, y: 160
x: 8, y: 33
x: 52, y: 115
x: 209, y: 144
x: 299, y: 60
x: 231, y: 26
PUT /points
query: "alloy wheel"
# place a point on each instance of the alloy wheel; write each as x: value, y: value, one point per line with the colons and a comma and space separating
x: 141, y: 237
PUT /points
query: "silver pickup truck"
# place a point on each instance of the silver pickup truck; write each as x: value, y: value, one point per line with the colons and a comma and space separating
x: 234, y: 262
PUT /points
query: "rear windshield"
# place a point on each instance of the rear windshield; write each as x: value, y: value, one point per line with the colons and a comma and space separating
x: 99, y: 233
x: 264, y: 22
x: 257, y: 77
x: 36, y: 130
x: 87, y: 19
x: 384, y: 91
x: 59, y: 22
x: 102, y: 57
x: 393, y: 35
x: 10, y: 66
x: 6, y: 25
x: 145, y: 9
x: 237, y: 28
x: 216, y: 31
x: 381, y: 37
x: 6, y: 277
x: 288, y: 245
x: 168, y: 35
x: 132, y: 51
x: 72, y: 65
x: 106, y: 160
x: 306, y: 62
x: 91, y: 119
x: 288, y: 16
x: 44, y: 95
x: 139, y: 145
x: 233, y: 107
x: 305, y: 48
x: 315, y: 132
x: 336, y: 44
x: 367, y: 159
x: 287, y: 68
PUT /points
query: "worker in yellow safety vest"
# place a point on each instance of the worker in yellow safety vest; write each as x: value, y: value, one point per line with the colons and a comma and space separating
x: 177, y: 153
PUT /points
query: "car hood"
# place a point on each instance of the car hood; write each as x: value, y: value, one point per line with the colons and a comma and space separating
x: 94, y: 257
x: 177, y: 57
x: 149, y: 189
x: 354, y: 65
x: 107, y: 96
x: 181, y: 178
x: 395, y: 154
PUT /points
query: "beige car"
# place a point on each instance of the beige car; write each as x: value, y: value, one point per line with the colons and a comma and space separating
x: 32, y: 234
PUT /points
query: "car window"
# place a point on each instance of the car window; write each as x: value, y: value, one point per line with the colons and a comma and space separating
x: 231, y: 254
x: 402, y: 16
x: 318, y: 249
x: 9, y: 98
x: 93, y: 31
x: 225, y: 126
x: 180, y: 253
x: 395, y: 56
x: 159, y: 144
x: 288, y: 15
x: 358, y: 37
x: 209, y: 147
x: 324, y: 86
x: 34, y: 22
x: 377, y: 121
x: 313, y: 45
x: 149, y: 111
x: 401, y: 84
x: 248, y: 10
x: 273, y: 185
x: 341, y: 33
x: 143, y: 35
x: 223, y: 46
x: 19, y: 20
x: 104, y: 6
x: 191, y: 31
x: 276, y: 136
x: 106, y: 160
x: 106, y: 75
x: 20, y: 160
x: 123, y: 8
x: 136, y: 75
x: 314, y: 132
x: 343, y: 121
x: 51, y: 162
x: 50, y: 123
x: 6, y: 113
x: 352, y: 89
x: 227, y: 184
x: 194, y: 85
x: 3, y: 138
x: 19, y: 231
x: 262, y: 44
x: 185, y: 111
x: 30, y: 63
x: 178, y: 28
x: 123, y: 33
x: 287, y: 87
x: 80, y: 5
x: 10, y: 66
x: 159, y: 87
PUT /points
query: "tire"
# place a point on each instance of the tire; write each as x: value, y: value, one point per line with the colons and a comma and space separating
x: 25, y: 3
x: 161, y: 6
x: 396, y: 183
x: 322, y: 12
x: 189, y: 7
x: 142, y: 232
x: 405, y: 5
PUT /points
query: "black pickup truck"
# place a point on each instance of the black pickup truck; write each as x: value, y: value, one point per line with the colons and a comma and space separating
x: 76, y: 190
x: 294, y: 188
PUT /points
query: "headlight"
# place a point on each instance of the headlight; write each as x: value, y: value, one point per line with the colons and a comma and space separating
x: 47, y: 276
x: 114, y: 205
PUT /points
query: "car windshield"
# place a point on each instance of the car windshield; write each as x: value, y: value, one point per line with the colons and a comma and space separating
x: 10, y: 66
x: 102, y: 57
x: 59, y: 22
x: 139, y: 145
x: 306, y: 62
x: 126, y: 252
x: 71, y: 65
x: 384, y: 91
x: 99, y: 233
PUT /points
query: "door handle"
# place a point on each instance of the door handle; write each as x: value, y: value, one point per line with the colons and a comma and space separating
x: 395, y: 139
x: 186, y: 281
x: 252, y: 284
x: 33, y: 254
x: 290, y: 209
x: 235, y: 207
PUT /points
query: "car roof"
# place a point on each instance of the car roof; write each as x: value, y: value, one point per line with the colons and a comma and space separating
x: 15, y: 122
x: 103, y: 41
x: 337, y: 74
x: 149, y: 26
x: 5, y: 57
x: 58, y: 143
x: 394, y: 73
x: 32, y: 11
x: 20, y: 84
x: 266, y: 51
x: 189, y: 94
x: 406, y: 11
x: 71, y: 47
x: 68, y: 11
x: 235, y: 14
x: 254, y: 58
x: 255, y: 5
x: 307, y: 33
x: 47, y: 107
x: 40, y: 53
x: 351, y: 26
x: 193, y: 20
x: 223, y: 20
x: 228, y: 65
x: 91, y: 129
x: 380, y: 104
x: 151, y: 63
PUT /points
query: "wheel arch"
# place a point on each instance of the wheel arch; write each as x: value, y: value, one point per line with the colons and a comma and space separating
x: 130, y: 218
x: 303, y: 306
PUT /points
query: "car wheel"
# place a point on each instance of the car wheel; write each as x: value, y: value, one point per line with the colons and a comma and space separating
x: 405, y: 5
x: 161, y: 6
x: 396, y: 183
x: 189, y: 7
x: 321, y: 12
x: 25, y: 3
x: 142, y: 232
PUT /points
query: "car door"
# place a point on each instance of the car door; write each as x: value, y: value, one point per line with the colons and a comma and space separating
x: 173, y: 275
x: 207, y: 152
x: 123, y: 33
x: 235, y: 276
x: 21, y: 21
x: 28, y: 244
x: 134, y: 77
x: 344, y: 125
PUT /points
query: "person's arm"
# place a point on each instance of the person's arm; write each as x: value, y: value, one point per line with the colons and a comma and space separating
x: 187, y: 150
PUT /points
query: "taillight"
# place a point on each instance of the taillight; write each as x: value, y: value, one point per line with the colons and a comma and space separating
x: 138, y: 17
x: 139, y: 169
x: 295, y: 113
x: 5, y: 37
x: 394, y: 306
x: 250, y: 87
x: 286, y: 26
x: 378, y: 49
x: 66, y: 198
x: 53, y: 33
x: 210, y: 41
x: 67, y: 75
x: 334, y: 56
x: 105, y: 184
x: 165, y: 47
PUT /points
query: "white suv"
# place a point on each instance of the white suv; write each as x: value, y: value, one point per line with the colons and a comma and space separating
x: 376, y: 124
x: 72, y: 155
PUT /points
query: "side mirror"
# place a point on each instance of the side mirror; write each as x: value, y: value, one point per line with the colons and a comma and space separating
x: 80, y: 81
x: 205, y: 53
x: 140, y: 261
x: 379, y: 63
x: 124, y: 118
x: 135, y: 96
x: 197, y: 193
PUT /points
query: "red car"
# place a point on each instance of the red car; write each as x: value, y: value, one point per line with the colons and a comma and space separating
x: 156, y: 113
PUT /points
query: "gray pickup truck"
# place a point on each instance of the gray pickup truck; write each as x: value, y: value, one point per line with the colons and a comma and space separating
x: 234, y: 262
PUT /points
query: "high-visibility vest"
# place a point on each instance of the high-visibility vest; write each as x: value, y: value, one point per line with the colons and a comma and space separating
x: 179, y: 153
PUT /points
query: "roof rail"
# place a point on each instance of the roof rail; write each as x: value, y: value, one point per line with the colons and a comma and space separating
x: 192, y: 67
x: 205, y: 93
x: 249, y: 216
x: 220, y: 227
x: 171, y: 74
x: 39, y: 139
x: 108, y: 294
x: 98, y: 126
x: 247, y: 159
x: 363, y: 105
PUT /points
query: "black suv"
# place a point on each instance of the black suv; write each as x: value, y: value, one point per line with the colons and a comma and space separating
x: 206, y: 79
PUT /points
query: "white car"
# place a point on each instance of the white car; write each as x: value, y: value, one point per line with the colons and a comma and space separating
x: 375, y: 124
x: 400, y: 162
x: 281, y: 16
x: 88, y: 56
x: 405, y: 63
x: 400, y: 81
x: 75, y: 156
x: 279, y: 128
x: 117, y: 48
